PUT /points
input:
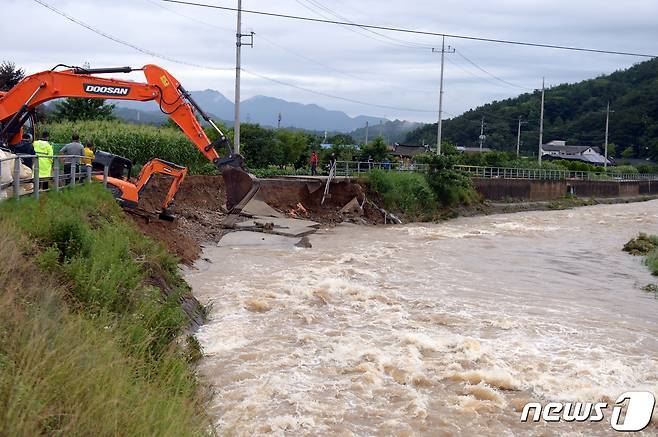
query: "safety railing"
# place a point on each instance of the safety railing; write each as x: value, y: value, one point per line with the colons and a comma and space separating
x: 13, y: 185
x: 351, y: 168
x: 549, y: 174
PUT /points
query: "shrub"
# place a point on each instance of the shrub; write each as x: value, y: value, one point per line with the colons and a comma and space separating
x: 406, y: 192
x: 451, y: 187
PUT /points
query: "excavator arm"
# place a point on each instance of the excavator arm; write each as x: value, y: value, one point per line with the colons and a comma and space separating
x: 161, y: 87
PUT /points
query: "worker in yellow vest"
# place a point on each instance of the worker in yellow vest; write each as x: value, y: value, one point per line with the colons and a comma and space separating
x: 44, y: 150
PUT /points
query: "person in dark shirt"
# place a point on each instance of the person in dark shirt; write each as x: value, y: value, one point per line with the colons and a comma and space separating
x: 25, y: 147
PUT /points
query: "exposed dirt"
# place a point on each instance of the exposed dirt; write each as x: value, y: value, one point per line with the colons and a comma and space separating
x: 304, y: 200
x: 199, y: 209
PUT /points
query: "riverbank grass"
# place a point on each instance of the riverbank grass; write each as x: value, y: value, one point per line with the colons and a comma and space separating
x: 91, y: 327
x: 647, y: 246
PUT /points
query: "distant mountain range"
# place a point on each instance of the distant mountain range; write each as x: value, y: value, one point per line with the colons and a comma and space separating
x: 264, y: 111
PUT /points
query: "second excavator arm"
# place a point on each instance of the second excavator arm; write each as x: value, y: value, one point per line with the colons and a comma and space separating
x: 161, y: 87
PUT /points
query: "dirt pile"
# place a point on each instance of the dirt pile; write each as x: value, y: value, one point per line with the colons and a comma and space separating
x: 198, y: 206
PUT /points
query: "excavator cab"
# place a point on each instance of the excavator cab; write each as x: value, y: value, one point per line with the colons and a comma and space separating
x: 118, y: 166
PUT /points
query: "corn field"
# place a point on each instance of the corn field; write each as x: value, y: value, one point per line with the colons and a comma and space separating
x: 139, y: 143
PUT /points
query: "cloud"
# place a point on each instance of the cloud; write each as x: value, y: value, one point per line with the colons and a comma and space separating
x: 383, y: 68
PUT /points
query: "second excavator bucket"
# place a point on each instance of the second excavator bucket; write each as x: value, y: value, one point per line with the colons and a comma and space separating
x: 241, y: 187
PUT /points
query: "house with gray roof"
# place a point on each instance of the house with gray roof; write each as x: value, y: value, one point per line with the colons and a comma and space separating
x: 560, y: 150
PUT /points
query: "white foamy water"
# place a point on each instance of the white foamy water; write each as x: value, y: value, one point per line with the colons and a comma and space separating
x: 438, y: 329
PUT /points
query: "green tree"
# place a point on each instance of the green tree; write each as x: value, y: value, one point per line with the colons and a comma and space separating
x: 10, y: 75
x: 612, y: 150
x: 294, y: 147
x: 376, y: 150
x: 341, y: 139
x: 80, y: 109
x: 628, y: 153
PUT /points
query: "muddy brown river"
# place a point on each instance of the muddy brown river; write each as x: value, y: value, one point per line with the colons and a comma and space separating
x: 432, y: 329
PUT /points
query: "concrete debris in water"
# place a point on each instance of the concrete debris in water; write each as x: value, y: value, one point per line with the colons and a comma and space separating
x: 353, y: 207
x: 305, y: 243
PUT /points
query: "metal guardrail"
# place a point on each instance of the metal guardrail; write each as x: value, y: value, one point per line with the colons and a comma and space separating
x: 349, y: 168
x: 38, y: 184
x: 546, y: 174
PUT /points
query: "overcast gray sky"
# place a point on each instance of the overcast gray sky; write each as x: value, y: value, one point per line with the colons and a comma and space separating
x: 353, y: 63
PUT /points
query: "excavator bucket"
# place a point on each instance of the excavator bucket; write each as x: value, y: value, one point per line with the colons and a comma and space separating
x: 241, y: 187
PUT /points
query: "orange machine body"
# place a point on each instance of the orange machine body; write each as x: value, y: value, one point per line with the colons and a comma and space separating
x: 18, y: 104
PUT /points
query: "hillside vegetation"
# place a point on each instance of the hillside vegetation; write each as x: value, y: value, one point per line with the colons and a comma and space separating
x: 573, y: 112
x: 91, y: 327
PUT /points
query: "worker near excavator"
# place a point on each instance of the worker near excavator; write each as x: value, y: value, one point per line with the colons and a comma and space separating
x: 314, y: 164
x: 74, y: 148
x: 25, y: 149
x: 90, y: 155
x: 44, y: 150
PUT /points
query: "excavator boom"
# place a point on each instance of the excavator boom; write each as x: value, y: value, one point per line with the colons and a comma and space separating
x: 161, y: 87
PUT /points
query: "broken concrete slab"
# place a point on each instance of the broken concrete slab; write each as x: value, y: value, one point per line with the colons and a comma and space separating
x: 352, y: 207
x: 257, y: 207
x: 256, y: 239
x: 280, y: 226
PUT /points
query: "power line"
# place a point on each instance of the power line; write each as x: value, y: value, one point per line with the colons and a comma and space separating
x: 391, y: 40
x: 417, y: 32
x: 286, y: 49
x: 151, y: 53
x: 126, y: 43
x: 490, y: 74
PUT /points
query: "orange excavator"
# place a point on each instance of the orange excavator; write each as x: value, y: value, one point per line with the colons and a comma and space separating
x: 17, y: 115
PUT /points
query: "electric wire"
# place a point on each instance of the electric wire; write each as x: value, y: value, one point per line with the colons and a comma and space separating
x: 490, y: 74
x: 262, y: 76
x: 416, y: 32
x: 294, y: 53
x: 126, y: 43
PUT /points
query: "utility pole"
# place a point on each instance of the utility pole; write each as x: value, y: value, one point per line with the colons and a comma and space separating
x: 607, y: 130
x: 278, y: 122
x: 541, y: 120
x: 439, y: 124
x: 238, y: 68
x: 366, y: 134
x: 518, y: 136
x: 381, y: 128
x: 482, y: 137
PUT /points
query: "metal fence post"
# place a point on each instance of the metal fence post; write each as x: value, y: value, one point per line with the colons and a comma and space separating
x: 88, y: 169
x: 106, y: 171
x: 17, y: 177
x: 72, y: 183
x: 56, y: 174
x: 36, y: 181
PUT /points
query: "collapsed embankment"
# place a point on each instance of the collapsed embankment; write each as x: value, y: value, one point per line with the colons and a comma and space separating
x: 93, y: 322
x: 200, y: 208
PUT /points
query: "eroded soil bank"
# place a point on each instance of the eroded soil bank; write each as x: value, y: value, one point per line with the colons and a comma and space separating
x: 200, y: 207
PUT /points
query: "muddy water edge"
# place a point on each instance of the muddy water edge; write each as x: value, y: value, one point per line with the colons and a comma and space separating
x: 430, y: 329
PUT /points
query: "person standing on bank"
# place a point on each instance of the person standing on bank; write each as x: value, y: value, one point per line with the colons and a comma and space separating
x: 73, y: 148
x: 314, y: 164
x: 25, y: 147
x: 44, y: 150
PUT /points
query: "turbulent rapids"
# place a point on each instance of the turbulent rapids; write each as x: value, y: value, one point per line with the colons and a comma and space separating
x: 437, y: 329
